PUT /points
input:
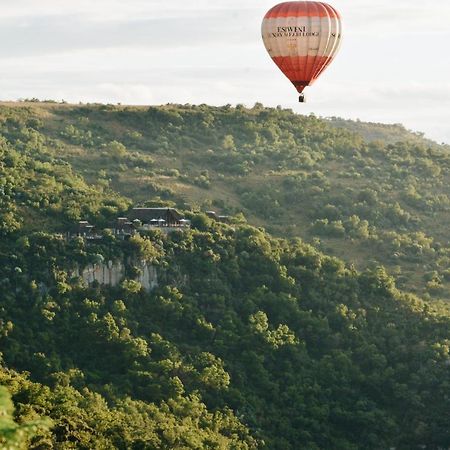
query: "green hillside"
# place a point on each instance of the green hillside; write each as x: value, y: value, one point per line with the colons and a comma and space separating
x: 250, y: 340
x: 368, y: 193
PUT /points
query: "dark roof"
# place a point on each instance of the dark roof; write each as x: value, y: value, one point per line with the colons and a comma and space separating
x: 170, y: 215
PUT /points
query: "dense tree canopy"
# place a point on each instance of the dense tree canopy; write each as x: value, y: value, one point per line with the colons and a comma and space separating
x: 250, y: 340
x: 368, y: 193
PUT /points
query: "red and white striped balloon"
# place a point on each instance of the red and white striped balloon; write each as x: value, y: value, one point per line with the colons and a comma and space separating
x: 302, y: 38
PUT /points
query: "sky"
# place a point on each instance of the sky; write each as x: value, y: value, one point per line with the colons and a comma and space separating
x: 393, y: 66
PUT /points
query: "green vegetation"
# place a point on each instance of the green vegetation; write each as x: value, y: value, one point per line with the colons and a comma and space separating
x: 368, y: 193
x: 12, y: 435
x: 250, y: 340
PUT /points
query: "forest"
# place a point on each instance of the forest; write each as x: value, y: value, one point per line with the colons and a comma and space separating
x: 370, y: 194
x: 317, y: 318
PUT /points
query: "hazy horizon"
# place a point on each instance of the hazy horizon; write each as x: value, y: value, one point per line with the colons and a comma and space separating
x: 391, y: 68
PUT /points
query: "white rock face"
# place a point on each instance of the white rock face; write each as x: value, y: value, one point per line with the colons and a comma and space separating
x: 149, y: 277
x: 111, y: 274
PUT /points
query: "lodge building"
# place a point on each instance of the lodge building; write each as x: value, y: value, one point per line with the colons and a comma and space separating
x: 159, y: 217
x: 165, y: 219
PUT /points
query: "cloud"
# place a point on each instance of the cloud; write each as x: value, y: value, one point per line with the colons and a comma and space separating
x: 107, y: 9
x: 393, y: 18
x: 399, y: 14
x: 53, y: 34
x: 118, y: 10
x: 57, y: 26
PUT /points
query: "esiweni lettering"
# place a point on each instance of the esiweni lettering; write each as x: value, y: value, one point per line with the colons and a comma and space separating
x: 291, y: 29
x: 294, y: 32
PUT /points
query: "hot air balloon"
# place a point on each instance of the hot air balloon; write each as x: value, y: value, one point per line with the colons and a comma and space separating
x: 302, y: 38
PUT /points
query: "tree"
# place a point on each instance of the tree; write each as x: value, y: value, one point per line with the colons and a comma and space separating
x: 117, y: 150
x: 12, y: 435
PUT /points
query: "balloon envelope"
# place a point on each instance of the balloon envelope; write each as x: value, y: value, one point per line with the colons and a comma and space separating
x: 302, y: 38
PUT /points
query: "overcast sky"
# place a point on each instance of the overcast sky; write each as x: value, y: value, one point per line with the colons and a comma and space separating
x: 393, y: 67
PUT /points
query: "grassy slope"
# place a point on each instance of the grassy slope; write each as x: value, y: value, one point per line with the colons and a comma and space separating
x: 347, y: 171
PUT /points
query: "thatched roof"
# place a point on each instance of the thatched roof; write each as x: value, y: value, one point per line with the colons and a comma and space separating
x: 170, y: 215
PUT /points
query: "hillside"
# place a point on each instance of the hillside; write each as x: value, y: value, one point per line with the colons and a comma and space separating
x: 250, y: 340
x: 368, y: 193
